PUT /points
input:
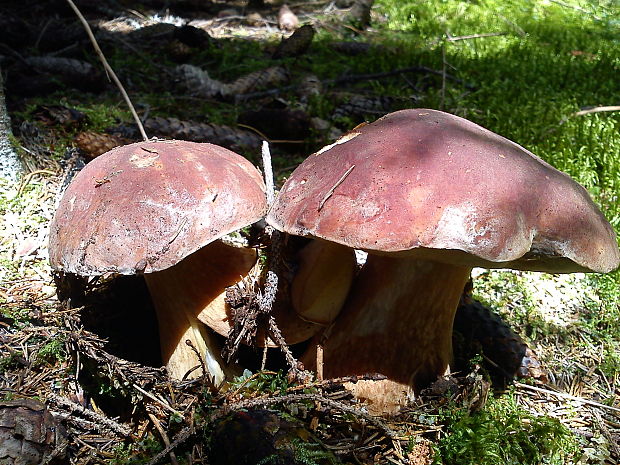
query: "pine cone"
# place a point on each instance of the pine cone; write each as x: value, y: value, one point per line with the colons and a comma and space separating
x: 356, y: 105
x: 508, y: 356
x: 76, y: 73
x: 297, y: 44
x: 273, y: 76
x: 197, y: 82
x: 232, y: 138
x: 94, y: 144
x: 309, y: 86
x: 351, y: 48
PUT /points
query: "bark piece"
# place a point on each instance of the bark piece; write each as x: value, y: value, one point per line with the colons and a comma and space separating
x: 10, y: 165
x: 29, y: 434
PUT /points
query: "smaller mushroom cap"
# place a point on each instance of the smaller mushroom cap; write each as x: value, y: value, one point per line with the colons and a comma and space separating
x: 433, y: 185
x: 143, y: 207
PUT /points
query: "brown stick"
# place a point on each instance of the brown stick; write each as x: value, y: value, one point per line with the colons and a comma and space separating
x: 108, y: 68
x: 164, y: 436
x: 319, y: 362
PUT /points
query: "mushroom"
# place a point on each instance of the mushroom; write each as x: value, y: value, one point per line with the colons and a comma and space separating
x: 430, y: 195
x: 158, y: 208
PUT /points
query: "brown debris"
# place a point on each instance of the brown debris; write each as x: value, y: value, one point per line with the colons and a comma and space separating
x: 59, y: 115
x: 29, y: 433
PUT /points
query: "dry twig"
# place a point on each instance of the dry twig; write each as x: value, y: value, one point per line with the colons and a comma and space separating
x: 102, y: 422
x: 567, y: 396
x: 108, y: 68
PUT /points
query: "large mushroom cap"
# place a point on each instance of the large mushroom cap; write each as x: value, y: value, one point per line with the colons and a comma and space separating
x: 143, y: 207
x: 433, y: 185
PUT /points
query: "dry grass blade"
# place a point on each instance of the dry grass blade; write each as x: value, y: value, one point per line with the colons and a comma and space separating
x: 567, y: 396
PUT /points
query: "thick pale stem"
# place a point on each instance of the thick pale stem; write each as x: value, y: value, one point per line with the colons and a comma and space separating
x: 181, y: 293
x: 397, y: 322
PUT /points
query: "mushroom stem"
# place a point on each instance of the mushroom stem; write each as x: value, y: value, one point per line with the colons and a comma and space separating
x: 397, y: 321
x: 181, y: 293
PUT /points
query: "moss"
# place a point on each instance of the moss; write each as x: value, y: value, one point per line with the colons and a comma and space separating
x: 503, y: 433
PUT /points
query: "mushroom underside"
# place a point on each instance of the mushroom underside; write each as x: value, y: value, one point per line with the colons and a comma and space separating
x: 180, y: 293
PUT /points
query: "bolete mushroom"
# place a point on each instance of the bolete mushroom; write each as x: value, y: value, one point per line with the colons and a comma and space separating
x: 158, y: 209
x: 430, y: 195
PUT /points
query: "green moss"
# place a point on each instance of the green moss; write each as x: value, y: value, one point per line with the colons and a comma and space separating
x: 503, y: 433
x: 264, y: 382
x: 53, y: 351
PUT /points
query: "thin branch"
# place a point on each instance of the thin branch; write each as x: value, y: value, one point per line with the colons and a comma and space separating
x: 475, y: 36
x: 108, y: 68
x: 185, y: 434
x: 331, y: 191
x: 268, y: 173
x: 267, y: 297
x: 90, y: 415
x: 159, y: 401
x: 179, y: 439
x: 164, y: 436
x: 576, y: 8
x: 597, y: 110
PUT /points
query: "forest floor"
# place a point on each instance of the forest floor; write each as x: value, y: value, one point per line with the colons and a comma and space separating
x: 541, y: 73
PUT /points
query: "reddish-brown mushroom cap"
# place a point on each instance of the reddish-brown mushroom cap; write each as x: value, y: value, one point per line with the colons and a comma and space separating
x: 143, y: 207
x: 423, y: 179
x: 430, y: 195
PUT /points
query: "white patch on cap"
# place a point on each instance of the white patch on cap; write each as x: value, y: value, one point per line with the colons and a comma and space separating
x: 143, y: 160
x: 461, y: 228
x: 342, y: 140
x: 457, y: 228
